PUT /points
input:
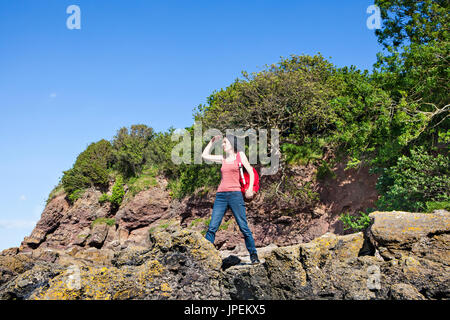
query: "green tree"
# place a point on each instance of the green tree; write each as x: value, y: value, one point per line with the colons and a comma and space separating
x: 362, y: 128
x: 129, y: 146
x: 158, y: 153
x: 414, y: 181
x: 90, y: 169
x: 412, y: 21
x: 414, y: 67
x: 291, y: 96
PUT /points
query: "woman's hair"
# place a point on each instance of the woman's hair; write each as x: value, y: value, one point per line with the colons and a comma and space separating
x: 235, y: 143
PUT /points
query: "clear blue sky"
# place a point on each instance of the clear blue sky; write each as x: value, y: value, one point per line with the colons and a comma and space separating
x: 137, y: 61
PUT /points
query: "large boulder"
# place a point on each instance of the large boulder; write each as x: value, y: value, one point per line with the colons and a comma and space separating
x: 143, y: 209
x: 417, y: 247
x: 98, y: 235
x: 399, y: 233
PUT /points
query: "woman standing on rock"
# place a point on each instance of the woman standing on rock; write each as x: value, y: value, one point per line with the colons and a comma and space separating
x: 229, y: 191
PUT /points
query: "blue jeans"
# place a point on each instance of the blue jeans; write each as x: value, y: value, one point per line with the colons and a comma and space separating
x: 235, y: 200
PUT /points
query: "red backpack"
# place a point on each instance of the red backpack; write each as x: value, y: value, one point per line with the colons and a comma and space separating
x: 244, y: 177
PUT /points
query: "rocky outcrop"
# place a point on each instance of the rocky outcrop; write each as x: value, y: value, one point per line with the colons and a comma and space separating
x: 424, y: 235
x: 401, y: 256
x: 50, y: 220
x: 63, y: 225
x: 144, y: 209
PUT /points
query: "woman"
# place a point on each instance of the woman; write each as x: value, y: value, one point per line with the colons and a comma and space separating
x: 229, y: 191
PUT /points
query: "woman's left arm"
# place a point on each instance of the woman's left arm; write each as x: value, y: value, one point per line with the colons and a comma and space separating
x: 249, y: 169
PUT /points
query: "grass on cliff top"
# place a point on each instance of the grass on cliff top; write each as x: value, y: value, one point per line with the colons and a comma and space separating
x: 145, y: 181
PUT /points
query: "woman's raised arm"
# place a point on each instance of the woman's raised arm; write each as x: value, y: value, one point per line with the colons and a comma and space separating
x: 207, y: 152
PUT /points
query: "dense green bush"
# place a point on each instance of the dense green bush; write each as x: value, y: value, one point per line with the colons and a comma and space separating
x: 324, y: 170
x: 117, y: 193
x: 437, y: 205
x: 310, y: 150
x: 158, y: 153
x: 292, y: 96
x: 362, y: 125
x: 90, y: 169
x: 129, y: 147
x: 103, y: 198
x: 414, y: 181
x: 75, y: 195
x: 317, y: 106
x: 193, y: 177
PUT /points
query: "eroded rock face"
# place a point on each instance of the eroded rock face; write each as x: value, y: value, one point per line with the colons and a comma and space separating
x: 49, y: 222
x: 178, y: 263
x: 63, y: 225
x: 144, y: 209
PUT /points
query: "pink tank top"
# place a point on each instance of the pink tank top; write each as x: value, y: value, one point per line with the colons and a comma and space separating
x: 230, y: 176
